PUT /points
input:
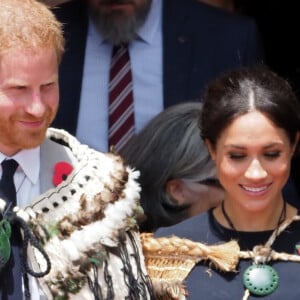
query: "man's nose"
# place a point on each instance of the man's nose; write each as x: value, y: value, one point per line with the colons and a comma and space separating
x: 36, y: 106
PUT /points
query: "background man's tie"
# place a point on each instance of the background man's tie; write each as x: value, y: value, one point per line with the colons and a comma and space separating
x: 121, y: 108
x: 11, y: 275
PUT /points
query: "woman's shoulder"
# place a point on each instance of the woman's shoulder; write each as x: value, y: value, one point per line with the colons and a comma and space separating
x: 193, y: 228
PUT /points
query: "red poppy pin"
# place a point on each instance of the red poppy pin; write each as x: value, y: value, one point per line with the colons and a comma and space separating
x: 61, y: 171
x: 298, y: 249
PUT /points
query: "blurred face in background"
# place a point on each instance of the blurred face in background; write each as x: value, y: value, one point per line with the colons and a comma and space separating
x: 199, y: 196
x: 119, y: 20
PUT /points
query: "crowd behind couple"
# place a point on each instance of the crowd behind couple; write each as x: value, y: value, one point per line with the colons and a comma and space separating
x: 209, y: 162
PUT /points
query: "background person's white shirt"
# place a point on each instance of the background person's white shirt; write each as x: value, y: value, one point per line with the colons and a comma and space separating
x: 147, y: 73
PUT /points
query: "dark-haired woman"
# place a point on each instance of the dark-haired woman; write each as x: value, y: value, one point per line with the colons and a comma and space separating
x: 250, y: 122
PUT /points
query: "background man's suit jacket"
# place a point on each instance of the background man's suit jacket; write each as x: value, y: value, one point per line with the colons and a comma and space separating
x: 199, y: 43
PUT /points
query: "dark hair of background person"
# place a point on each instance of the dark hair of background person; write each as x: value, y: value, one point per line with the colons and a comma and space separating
x: 169, y: 147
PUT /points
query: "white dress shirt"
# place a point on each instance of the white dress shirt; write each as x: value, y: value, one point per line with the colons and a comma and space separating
x: 27, y: 185
x: 146, y: 60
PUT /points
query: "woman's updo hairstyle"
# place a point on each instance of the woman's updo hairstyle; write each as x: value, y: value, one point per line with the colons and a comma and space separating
x: 243, y: 90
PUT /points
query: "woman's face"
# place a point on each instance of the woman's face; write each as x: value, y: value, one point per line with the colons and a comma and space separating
x: 253, y: 161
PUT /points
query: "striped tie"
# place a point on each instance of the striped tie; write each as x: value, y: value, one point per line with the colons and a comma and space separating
x: 121, y: 109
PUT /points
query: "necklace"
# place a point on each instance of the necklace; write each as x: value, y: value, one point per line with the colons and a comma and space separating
x: 280, y: 220
x: 260, y: 279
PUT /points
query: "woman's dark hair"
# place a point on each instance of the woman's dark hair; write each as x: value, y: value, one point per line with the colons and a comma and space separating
x: 243, y: 90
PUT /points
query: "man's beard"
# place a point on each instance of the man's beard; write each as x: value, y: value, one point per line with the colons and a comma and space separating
x: 116, y: 27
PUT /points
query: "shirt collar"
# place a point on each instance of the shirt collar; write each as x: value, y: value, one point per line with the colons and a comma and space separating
x: 153, y: 22
x: 29, y: 161
x: 149, y: 29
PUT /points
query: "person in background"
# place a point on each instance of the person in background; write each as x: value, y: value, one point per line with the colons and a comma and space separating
x: 178, y: 178
x: 175, y: 48
x: 78, y: 239
x: 251, y: 122
x: 228, y: 5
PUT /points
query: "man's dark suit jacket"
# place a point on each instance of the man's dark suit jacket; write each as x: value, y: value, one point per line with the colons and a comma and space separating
x: 199, y: 43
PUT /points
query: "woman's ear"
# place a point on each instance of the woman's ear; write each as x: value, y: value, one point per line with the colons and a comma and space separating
x: 210, y: 149
x: 175, y: 190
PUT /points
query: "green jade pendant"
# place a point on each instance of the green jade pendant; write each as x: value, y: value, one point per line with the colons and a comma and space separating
x: 5, y: 249
x: 260, y: 279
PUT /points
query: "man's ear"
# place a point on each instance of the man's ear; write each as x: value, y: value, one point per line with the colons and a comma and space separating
x: 211, y: 149
x: 175, y: 190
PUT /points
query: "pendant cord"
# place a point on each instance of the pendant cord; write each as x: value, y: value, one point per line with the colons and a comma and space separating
x: 282, y: 217
x: 227, y: 217
x: 261, y: 254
